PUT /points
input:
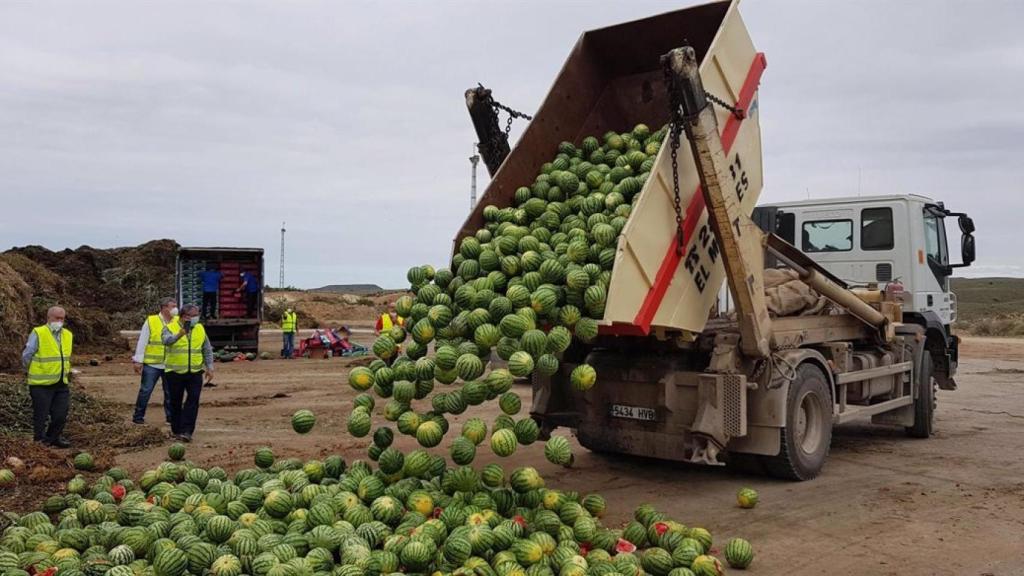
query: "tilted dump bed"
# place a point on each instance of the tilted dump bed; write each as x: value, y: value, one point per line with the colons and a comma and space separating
x: 613, y: 80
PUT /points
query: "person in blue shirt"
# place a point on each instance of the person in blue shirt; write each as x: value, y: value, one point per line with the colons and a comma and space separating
x: 211, y: 287
x: 251, y: 288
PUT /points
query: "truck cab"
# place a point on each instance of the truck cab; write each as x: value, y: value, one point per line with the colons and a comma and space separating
x: 876, y: 240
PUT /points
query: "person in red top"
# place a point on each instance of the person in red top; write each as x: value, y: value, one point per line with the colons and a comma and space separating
x: 388, y: 320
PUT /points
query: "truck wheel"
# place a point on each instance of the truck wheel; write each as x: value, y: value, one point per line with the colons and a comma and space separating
x: 808, y: 433
x: 924, y: 404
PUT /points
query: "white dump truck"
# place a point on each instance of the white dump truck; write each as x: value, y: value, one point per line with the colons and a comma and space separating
x: 680, y: 377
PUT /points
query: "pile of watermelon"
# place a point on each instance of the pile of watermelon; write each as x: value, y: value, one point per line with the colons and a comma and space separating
x: 325, y: 518
x: 524, y: 287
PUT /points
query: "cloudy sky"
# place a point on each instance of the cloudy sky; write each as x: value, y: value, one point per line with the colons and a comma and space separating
x: 211, y: 123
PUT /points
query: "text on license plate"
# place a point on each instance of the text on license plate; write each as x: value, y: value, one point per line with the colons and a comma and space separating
x: 634, y: 412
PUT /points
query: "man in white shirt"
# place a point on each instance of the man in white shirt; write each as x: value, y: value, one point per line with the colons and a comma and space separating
x: 149, y: 358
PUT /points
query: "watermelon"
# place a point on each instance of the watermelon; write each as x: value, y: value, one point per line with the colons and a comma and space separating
x: 303, y: 421
x: 463, y: 450
x: 170, y: 562
x: 176, y: 451
x: 384, y: 347
x: 510, y: 403
x: 359, y: 422
x: 746, y: 498
x: 739, y: 553
x: 657, y: 561
x: 520, y: 364
x: 474, y: 430
x: 429, y: 434
x: 469, y: 367
x: 525, y: 479
x: 547, y: 365
x: 583, y: 377
x: 361, y: 378
x: 705, y: 565
x: 586, y: 329
x: 83, y: 461
x: 558, y: 451
x: 445, y: 357
x: 514, y: 325
x: 503, y: 442
x: 527, y: 431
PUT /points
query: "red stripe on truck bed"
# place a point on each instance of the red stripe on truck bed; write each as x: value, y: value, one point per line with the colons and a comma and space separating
x: 667, y: 270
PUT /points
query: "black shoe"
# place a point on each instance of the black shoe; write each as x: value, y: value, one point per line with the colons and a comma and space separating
x: 184, y: 437
x: 139, y: 422
x: 60, y: 443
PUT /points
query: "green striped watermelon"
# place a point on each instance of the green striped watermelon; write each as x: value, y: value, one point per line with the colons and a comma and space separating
x: 558, y: 451
x: 503, y: 442
x: 520, y: 364
x: 739, y: 553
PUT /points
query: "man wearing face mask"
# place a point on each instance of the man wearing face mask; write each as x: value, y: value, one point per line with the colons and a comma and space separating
x: 189, y: 356
x: 47, y: 357
x: 149, y: 358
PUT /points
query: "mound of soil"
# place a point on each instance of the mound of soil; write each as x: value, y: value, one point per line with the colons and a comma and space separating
x: 103, y: 291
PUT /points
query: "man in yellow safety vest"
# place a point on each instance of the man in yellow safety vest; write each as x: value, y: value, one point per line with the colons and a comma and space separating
x: 47, y: 357
x: 388, y: 320
x: 149, y: 358
x: 189, y: 356
x: 288, y: 324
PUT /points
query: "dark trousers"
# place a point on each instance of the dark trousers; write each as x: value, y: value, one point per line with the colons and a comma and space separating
x: 49, y: 403
x: 251, y: 301
x: 185, y: 390
x: 209, y: 304
x: 289, y: 344
x: 149, y: 377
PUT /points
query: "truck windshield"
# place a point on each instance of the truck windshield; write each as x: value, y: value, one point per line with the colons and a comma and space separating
x: 935, y: 238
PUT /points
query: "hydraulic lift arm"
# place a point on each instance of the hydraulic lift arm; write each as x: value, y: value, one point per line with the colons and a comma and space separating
x: 738, y: 237
x: 741, y: 241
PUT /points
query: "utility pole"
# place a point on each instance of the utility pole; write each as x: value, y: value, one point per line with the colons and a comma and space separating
x: 280, y: 267
x: 474, y: 160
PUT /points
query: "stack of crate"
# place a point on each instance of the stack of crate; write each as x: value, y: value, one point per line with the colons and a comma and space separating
x: 230, y: 305
x: 191, y: 282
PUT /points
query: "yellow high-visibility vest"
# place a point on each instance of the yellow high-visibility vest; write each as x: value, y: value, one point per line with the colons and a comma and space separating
x: 186, y: 355
x: 52, y: 362
x: 386, y: 323
x: 288, y: 321
x: 155, y: 345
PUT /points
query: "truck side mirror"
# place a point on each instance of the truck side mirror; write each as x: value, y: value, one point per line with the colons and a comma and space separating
x: 967, y: 227
x: 967, y: 245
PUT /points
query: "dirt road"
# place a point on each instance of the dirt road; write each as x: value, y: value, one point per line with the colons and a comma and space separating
x: 885, y: 504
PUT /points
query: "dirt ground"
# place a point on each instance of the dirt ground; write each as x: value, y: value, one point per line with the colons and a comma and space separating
x: 885, y: 504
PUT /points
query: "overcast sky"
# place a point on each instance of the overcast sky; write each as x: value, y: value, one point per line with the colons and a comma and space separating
x: 210, y: 123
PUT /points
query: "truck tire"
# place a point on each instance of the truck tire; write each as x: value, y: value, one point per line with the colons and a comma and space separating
x: 924, y: 404
x: 805, y: 441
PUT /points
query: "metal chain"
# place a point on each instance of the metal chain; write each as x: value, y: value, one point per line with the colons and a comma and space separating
x: 675, y: 128
x: 739, y: 113
x: 512, y: 114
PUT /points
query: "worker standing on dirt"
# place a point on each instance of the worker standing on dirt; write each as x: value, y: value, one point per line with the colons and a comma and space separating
x: 189, y: 357
x: 251, y: 287
x: 47, y: 357
x: 211, y: 288
x: 288, y: 322
x: 149, y: 358
x: 388, y: 320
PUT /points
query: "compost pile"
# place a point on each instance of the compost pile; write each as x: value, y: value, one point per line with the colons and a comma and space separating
x: 526, y: 285
x: 104, y: 291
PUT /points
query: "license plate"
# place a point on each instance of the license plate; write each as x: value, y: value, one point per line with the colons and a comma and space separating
x: 633, y: 412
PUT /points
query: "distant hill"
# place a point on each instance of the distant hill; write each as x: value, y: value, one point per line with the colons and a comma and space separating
x: 357, y: 289
x: 987, y: 297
